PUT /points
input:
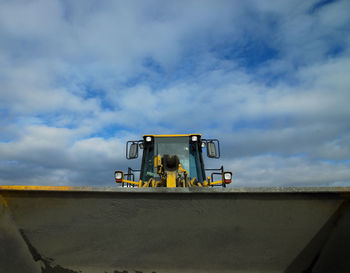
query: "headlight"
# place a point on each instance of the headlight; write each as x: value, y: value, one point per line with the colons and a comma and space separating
x: 118, y: 175
x: 227, y: 177
x: 148, y: 139
x: 194, y: 138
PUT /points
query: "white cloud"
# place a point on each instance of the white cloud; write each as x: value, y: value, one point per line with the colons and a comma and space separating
x: 279, y: 171
x: 48, y: 155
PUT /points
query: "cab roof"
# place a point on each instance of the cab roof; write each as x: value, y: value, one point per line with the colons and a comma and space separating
x: 179, y: 135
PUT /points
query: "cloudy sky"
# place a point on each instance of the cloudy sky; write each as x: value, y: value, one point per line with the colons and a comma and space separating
x: 270, y: 79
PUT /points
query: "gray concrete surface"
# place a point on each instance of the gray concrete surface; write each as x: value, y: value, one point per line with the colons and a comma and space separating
x: 182, y: 230
x: 14, y: 253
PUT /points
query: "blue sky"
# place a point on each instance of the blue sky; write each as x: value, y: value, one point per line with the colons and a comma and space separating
x: 268, y: 78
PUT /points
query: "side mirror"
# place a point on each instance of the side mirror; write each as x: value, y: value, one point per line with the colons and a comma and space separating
x: 211, y: 150
x: 133, y: 151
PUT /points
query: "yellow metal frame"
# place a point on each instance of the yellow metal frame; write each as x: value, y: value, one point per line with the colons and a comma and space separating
x: 170, y: 183
x: 131, y: 182
x: 216, y: 183
x: 171, y: 180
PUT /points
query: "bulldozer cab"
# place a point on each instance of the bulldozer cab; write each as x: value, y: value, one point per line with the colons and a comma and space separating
x: 177, y: 157
x: 188, y: 152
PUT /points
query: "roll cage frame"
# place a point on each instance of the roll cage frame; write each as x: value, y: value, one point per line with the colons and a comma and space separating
x: 202, y: 143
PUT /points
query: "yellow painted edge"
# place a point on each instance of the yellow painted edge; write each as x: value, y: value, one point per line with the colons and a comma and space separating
x: 36, y: 188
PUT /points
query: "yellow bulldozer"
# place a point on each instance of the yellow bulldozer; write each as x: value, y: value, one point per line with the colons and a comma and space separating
x: 173, y: 161
x: 172, y: 219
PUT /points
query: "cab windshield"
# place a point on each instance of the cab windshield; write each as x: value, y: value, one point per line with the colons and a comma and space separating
x: 187, y: 151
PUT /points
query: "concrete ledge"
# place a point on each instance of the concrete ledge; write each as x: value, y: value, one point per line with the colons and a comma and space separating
x: 178, y: 190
